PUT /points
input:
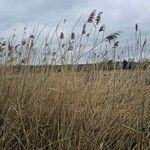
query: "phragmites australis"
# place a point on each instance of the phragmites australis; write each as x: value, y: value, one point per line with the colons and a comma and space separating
x: 101, y: 28
x: 136, y: 27
x: 46, y: 42
x: 91, y: 17
x: 98, y: 18
x: 23, y: 60
x: 116, y: 44
x: 4, y: 43
x: 88, y: 35
x: 23, y: 42
x: 61, y: 35
x: 24, y: 30
x: 31, y: 37
x: 17, y: 46
x: 54, y: 53
x: 145, y: 41
x: 10, y: 47
x: 1, y: 49
x: 65, y: 20
x: 72, y: 36
x: 112, y: 36
x: 70, y: 47
x: 84, y: 29
x: 63, y: 45
x: 104, y: 54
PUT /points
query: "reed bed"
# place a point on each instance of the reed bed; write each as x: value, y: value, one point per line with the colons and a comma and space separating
x: 73, y: 110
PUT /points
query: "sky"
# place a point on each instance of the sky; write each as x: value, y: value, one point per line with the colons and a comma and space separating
x: 117, y: 14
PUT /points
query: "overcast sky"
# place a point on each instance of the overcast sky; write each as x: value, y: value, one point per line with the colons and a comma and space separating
x: 117, y: 14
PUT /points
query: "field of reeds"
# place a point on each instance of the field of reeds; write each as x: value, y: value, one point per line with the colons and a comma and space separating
x: 46, y: 106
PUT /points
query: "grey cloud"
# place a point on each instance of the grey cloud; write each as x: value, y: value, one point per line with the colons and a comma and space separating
x: 117, y: 13
x: 27, y: 11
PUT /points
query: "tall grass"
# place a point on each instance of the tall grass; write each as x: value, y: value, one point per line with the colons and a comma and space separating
x: 88, y: 109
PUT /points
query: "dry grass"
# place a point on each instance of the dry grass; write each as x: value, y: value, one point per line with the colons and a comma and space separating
x: 71, y: 110
x: 68, y: 110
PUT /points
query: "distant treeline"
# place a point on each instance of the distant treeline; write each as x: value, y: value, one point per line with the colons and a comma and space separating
x: 106, y: 65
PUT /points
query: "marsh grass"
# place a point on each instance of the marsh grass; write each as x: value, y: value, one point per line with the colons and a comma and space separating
x: 71, y: 111
x: 68, y: 109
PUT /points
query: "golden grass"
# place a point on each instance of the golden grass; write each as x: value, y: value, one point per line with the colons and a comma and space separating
x: 75, y: 110
x: 68, y: 110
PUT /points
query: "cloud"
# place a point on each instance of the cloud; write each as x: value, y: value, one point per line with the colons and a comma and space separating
x: 118, y: 14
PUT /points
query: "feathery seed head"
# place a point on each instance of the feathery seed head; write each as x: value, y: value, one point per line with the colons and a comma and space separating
x: 112, y: 36
x: 84, y: 29
x: 98, y: 18
x: 91, y: 16
x: 61, y: 35
x: 102, y: 28
x: 136, y: 27
x: 72, y: 36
